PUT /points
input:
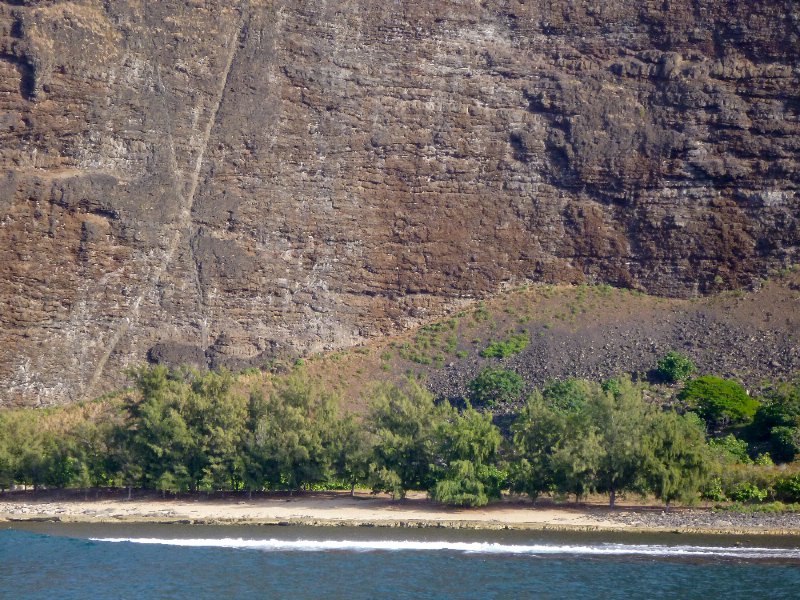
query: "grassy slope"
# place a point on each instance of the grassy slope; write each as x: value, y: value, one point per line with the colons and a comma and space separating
x: 584, y: 331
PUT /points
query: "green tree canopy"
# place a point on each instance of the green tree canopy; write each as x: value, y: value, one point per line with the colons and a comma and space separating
x: 467, y: 447
x: 777, y: 420
x: 537, y: 433
x: 403, y: 421
x: 677, y: 462
x: 158, y: 433
x: 720, y: 402
x: 620, y: 416
x: 292, y: 443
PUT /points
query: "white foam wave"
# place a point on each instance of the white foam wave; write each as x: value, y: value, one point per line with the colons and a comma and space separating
x: 468, y: 547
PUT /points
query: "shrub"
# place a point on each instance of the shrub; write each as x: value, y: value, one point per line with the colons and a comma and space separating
x: 768, y: 508
x: 780, y: 408
x: 713, y: 491
x: 493, y: 386
x: 569, y: 395
x: 747, y: 492
x: 720, y: 402
x: 764, y: 460
x: 468, y: 484
x: 513, y: 345
x: 785, y: 443
x: 675, y: 367
x: 788, y: 488
x: 730, y: 448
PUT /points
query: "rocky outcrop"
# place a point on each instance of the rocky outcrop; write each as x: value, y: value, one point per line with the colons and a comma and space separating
x: 214, y: 183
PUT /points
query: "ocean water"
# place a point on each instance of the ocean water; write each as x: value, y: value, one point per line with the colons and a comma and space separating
x: 157, y: 561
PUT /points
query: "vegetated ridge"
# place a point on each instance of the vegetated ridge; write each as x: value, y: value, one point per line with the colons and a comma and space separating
x: 592, y: 332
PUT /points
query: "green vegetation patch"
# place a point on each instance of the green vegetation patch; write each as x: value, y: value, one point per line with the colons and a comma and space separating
x: 721, y: 402
x: 180, y: 430
x: 675, y: 367
x: 496, y: 386
x: 513, y: 345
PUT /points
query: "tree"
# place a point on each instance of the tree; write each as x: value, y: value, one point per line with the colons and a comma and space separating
x: 495, y: 386
x: 674, y: 367
x: 467, y: 447
x: 123, y: 460
x: 215, y: 418
x: 777, y: 421
x: 60, y: 465
x: 620, y: 418
x: 721, y: 402
x: 677, y: 464
x: 579, y: 437
x: 292, y: 440
x: 92, y: 448
x: 576, y: 459
x: 403, y: 421
x: 9, y: 450
x: 159, y: 436
x: 784, y: 443
x: 253, y: 475
x: 536, y: 432
x: 352, y: 450
x: 26, y: 444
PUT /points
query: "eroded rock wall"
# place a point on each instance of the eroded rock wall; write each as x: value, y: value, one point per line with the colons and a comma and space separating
x: 216, y: 182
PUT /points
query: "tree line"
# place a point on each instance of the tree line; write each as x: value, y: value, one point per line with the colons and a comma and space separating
x: 179, y: 430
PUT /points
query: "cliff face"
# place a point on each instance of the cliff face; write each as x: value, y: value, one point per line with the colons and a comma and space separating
x: 212, y: 182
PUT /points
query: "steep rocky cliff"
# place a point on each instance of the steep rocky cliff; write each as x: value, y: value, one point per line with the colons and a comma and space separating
x: 214, y: 182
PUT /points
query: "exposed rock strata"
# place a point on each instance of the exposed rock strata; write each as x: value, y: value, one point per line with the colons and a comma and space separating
x: 212, y: 182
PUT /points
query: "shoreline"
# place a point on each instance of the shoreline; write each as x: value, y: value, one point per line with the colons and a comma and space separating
x: 340, y: 510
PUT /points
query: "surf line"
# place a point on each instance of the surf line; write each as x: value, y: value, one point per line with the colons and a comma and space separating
x: 465, y: 547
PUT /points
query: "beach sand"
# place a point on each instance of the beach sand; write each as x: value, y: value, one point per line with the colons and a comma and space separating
x: 339, y: 509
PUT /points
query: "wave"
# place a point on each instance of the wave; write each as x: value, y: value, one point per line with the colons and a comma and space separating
x: 604, y: 549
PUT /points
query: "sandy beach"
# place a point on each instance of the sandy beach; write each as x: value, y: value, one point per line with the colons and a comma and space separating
x: 334, y: 509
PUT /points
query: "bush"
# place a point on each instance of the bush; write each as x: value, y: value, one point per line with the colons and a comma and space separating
x: 785, y: 443
x: 747, y: 492
x: 764, y: 460
x: 713, y: 491
x: 777, y: 421
x: 513, y: 345
x: 493, y: 386
x: 766, y: 508
x: 720, y: 402
x: 468, y: 484
x: 730, y: 448
x: 780, y: 408
x: 788, y: 488
x: 569, y: 395
x: 674, y: 367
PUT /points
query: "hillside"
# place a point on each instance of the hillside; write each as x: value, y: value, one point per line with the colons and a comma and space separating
x: 224, y: 184
x: 592, y: 332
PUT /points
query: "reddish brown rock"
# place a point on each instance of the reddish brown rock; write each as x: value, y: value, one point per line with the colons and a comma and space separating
x: 216, y: 182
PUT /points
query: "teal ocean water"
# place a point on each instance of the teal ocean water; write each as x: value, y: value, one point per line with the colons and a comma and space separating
x: 79, y: 561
